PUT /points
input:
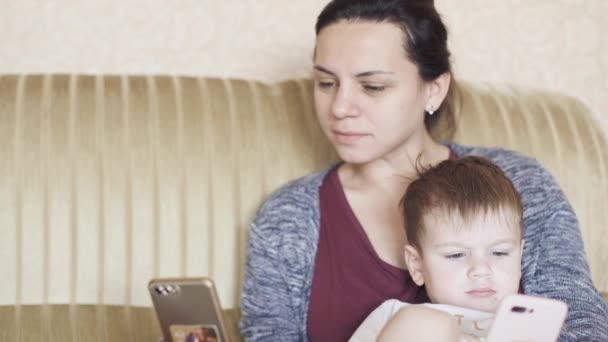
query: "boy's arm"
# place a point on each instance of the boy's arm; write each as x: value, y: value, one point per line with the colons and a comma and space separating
x: 421, y: 323
x: 371, y: 326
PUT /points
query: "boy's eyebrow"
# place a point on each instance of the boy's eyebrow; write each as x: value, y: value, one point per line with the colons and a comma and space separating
x: 361, y: 74
x: 498, y: 242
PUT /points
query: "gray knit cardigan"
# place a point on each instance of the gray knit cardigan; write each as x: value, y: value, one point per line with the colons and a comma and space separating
x: 283, y: 244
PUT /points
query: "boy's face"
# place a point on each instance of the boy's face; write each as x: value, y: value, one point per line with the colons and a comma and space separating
x: 470, y: 264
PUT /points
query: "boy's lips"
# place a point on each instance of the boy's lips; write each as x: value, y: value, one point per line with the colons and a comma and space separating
x: 481, y: 292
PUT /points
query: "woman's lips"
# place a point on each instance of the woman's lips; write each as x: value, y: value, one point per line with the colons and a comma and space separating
x: 485, y: 292
x: 342, y: 137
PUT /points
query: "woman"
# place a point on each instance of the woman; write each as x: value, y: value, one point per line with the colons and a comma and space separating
x: 327, y: 249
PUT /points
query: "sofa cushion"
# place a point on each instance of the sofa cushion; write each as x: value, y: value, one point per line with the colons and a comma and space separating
x: 63, y: 323
x: 109, y: 181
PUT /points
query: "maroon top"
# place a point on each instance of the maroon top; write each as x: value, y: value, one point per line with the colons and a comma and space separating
x: 350, y: 280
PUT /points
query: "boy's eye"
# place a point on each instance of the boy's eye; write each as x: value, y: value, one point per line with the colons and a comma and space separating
x: 455, y: 255
x: 500, y: 253
x: 374, y: 88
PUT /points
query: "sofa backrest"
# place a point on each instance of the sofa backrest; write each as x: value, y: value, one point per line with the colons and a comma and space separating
x: 109, y: 181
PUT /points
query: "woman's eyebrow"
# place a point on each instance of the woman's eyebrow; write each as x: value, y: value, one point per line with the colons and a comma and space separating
x: 361, y: 74
x: 323, y: 70
x: 373, y: 72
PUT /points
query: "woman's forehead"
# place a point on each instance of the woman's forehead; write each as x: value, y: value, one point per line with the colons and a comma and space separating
x: 361, y: 37
x: 361, y: 46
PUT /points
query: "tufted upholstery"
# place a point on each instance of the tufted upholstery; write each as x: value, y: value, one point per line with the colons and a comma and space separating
x: 109, y: 181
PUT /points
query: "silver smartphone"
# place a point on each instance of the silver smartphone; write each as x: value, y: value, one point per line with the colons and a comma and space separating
x: 188, y: 310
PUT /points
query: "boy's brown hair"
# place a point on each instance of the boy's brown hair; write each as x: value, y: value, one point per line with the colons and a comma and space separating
x: 467, y: 186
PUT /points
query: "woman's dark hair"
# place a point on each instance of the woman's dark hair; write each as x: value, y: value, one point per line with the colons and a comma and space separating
x: 425, y: 35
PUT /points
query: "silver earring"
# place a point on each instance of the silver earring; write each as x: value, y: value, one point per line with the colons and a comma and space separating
x: 430, y: 111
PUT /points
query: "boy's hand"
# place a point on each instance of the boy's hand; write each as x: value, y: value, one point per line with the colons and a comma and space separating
x: 468, y: 338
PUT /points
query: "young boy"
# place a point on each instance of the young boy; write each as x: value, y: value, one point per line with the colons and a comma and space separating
x: 463, y: 223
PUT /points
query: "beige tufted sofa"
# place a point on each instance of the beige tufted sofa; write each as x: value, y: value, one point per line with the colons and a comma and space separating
x: 109, y: 181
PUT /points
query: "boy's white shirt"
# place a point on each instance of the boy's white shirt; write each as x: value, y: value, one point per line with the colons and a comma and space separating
x: 471, y: 321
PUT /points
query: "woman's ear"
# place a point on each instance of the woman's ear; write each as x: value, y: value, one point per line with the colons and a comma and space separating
x: 437, y: 91
x: 414, y: 264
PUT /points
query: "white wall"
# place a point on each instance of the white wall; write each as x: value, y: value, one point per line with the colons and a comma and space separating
x: 559, y: 45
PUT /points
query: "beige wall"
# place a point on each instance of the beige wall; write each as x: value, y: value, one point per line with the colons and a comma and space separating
x: 552, y: 44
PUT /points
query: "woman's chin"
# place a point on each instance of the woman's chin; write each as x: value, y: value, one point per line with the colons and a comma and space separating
x: 354, y: 156
x: 354, y: 160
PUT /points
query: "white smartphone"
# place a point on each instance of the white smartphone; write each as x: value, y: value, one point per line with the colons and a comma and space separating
x: 528, y: 318
x: 188, y: 310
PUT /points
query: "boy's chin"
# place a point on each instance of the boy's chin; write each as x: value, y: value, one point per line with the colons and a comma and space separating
x: 490, y: 306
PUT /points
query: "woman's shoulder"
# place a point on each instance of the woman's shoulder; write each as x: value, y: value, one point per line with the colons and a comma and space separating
x: 498, y: 155
x: 298, y: 193
x: 292, y: 205
x: 539, y: 191
x: 521, y: 169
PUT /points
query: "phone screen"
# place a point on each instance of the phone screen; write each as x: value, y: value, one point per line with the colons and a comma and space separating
x: 194, y: 333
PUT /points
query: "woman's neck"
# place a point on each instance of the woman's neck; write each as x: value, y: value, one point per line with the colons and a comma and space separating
x: 397, y: 168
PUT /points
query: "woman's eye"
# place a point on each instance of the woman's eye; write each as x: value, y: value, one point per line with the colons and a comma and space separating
x: 500, y: 253
x: 374, y: 88
x: 325, y: 84
x: 455, y: 255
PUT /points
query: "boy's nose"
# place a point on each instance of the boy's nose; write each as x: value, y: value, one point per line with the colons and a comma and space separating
x: 480, y: 268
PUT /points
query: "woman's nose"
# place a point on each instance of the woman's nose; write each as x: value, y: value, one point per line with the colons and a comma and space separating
x: 343, y: 105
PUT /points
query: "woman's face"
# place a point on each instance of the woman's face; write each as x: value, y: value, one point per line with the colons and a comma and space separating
x: 369, y: 97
